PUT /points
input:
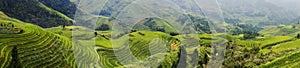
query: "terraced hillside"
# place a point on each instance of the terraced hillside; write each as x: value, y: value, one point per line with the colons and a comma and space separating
x: 285, y: 30
x: 145, y: 46
x: 27, y: 45
x: 287, y: 53
x: 154, y: 24
x: 64, y: 6
x: 289, y: 61
x: 34, y: 12
x: 265, y: 42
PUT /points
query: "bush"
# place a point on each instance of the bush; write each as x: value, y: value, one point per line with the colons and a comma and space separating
x: 174, y: 33
x: 103, y: 27
x: 298, y: 36
x: 250, y: 34
x: 141, y: 34
x: 133, y: 31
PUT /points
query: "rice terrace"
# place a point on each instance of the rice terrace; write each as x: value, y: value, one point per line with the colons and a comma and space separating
x: 149, y: 34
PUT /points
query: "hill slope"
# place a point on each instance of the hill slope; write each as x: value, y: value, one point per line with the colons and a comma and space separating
x: 64, y: 6
x: 27, y: 45
x: 290, y: 61
x: 154, y: 24
x: 35, y: 12
x: 281, y: 30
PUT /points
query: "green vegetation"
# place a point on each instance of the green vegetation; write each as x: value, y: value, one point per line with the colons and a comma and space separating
x: 154, y: 24
x: 286, y: 46
x: 34, y: 12
x: 55, y: 12
x: 274, y: 40
x: 265, y: 42
x: 66, y: 7
x: 30, y: 46
x: 289, y: 61
x: 154, y: 42
x: 286, y: 30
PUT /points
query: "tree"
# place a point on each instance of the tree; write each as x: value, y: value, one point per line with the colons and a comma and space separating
x: 255, y: 50
x: 250, y: 34
x: 105, y: 12
x: 298, y: 36
x: 133, y: 30
x: 294, y: 26
x: 161, y: 29
x: 15, y: 60
x: 103, y: 27
x: 174, y: 33
x: 95, y: 34
x: 141, y: 34
x: 64, y: 27
x: 21, y: 31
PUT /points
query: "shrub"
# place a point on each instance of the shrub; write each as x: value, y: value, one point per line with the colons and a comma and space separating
x: 133, y: 31
x: 103, y: 27
x: 174, y: 33
x: 141, y: 34
x: 298, y: 36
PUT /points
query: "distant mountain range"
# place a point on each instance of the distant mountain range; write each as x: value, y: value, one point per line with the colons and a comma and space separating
x: 51, y: 13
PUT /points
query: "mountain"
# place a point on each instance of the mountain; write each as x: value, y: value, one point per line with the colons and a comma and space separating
x: 290, y: 5
x: 34, y: 12
x: 259, y: 12
x: 64, y: 6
